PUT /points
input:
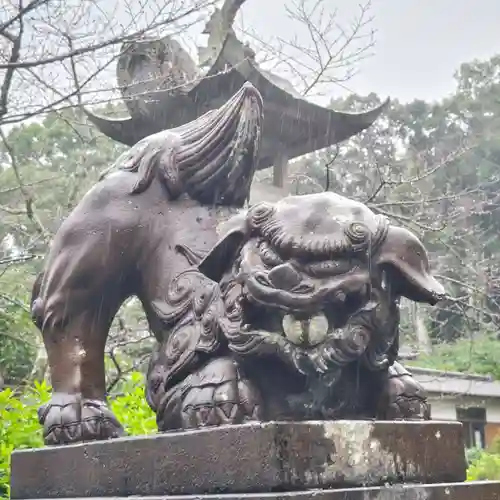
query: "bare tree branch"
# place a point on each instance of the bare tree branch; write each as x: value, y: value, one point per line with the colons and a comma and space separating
x: 23, y: 11
x: 13, y: 59
x: 90, y: 48
x: 324, y: 54
x: 93, y: 47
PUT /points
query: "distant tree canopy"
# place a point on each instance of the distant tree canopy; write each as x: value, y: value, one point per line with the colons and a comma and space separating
x: 57, y: 161
x: 431, y: 166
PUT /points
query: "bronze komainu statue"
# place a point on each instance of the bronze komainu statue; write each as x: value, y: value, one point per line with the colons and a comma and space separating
x: 298, y: 319
x: 281, y: 311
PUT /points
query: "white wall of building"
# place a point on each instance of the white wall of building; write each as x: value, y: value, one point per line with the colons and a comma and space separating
x: 444, y: 407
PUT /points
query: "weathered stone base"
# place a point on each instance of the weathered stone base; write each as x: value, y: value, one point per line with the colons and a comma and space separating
x: 346, y: 460
x: 449, y: 491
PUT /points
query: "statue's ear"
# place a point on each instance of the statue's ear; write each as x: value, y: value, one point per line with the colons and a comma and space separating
x: 406, y: 256
x: 222, y: 255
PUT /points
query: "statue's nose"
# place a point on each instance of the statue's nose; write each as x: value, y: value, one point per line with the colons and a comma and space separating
x: 284, y: 277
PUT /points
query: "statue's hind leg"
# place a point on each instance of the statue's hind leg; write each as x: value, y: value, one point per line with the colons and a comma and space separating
x: 76, y: 301
x: 77, y: 410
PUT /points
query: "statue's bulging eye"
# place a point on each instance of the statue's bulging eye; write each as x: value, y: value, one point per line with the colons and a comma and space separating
x: 328, y: 268
x: 268, y: 255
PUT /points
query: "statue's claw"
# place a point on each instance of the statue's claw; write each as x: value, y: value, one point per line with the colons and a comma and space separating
x: 69, y: 418
x: 216, y: 394
x: 404, y: 398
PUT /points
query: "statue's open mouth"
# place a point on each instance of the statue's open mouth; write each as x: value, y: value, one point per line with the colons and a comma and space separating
x: 311, y: 343
x: 300, y: 321
x: 305, y: 325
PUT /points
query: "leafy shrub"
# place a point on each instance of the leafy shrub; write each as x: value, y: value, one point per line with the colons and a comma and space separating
x: 131, y: 408
x: 485, y: 467
x: 484, y: 464
x: 472, y: 454
x: 17, y: 331
x: 19, y: 427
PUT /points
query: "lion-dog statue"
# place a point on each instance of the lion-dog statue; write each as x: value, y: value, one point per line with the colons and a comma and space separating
x: 279, y: 311
x: 297, y: 319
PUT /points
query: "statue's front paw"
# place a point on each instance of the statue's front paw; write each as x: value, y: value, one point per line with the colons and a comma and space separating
x: 69, y: 418
x: 216, y: 394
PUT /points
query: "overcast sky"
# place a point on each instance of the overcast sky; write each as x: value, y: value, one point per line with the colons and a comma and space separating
x: 420, y: 43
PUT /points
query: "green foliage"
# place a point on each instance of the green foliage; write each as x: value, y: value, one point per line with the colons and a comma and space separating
x: 131, y: 408
x: 476, y: 355
x: 485, y: 467
x: 19, y: 427
x: 472, y: 454
x: 19, y: 338
x: 17, y: 353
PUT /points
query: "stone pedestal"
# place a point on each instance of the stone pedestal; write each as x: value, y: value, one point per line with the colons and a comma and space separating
x: 342, y: 460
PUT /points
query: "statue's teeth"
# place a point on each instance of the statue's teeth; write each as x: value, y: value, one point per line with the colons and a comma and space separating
x: 293, y: 329
x: 318, y: 329
x: 310, y: 332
